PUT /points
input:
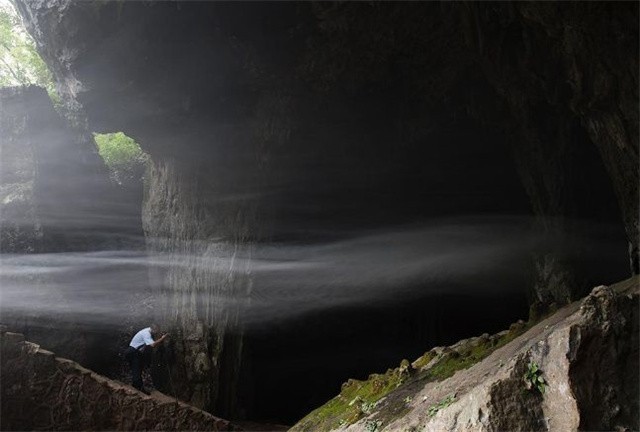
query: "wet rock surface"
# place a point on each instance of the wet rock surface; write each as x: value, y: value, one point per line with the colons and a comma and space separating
x: 204, y: 292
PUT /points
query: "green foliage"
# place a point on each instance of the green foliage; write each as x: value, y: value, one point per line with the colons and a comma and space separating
x: 533, y: 378
x: 357, y: 399
x: 372, y: 425
x: 122, y: 155
x: 20, y: 63
x: 424, y: 360
x: 368, y: 407
x: 451, y: 362
x: 433, y: 409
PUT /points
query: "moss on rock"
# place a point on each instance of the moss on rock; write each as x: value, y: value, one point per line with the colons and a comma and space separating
x: 383, y: 396
x: 356, y: 400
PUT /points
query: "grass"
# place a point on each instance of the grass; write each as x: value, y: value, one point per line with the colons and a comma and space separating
x: 453, y: 361
x: 358, y: 399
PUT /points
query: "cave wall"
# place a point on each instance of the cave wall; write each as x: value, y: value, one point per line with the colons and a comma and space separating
x: 552, y: 77
x: 55, y: 193
x: 20, y: 228
x: 569, y: 75
x: 233, y: 101
x: 204, y: 286
x: 546, y: 75
x: 50, y: 175
x: 42, y: 391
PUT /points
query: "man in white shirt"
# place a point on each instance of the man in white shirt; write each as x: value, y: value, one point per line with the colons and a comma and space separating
x: 143, y: 340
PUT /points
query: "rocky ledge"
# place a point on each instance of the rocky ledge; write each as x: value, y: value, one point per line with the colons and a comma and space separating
x: 575, y: 370
x: 43, y: 392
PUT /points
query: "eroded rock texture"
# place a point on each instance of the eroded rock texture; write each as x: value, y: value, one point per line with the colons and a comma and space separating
x: 553, y: 78
x: 50, y: 178
x: 564, y: 72
x: 600, y: 337
x: 21, y: 228
x: 55, y: 196
x: 586, y: 353
x: 236, y: 101
x: 205, y: 285
x: 44, y: 392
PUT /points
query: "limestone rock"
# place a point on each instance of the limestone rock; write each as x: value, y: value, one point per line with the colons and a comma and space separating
x: 586, y: 354
x: 47, y: 173
x: 555, y: 78
x: 44, y: 392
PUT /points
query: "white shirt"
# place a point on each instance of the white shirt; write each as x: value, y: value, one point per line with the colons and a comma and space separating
x: 143, y: 337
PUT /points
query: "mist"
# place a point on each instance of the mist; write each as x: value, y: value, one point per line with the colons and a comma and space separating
x: 384, y: 266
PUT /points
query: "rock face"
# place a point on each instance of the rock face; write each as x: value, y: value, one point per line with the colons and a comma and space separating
x: 41, y: 391
x: 21, y: 227
x: 586, y: 355
x: 50, y: 178
x: 543, y: 74
x: 206, y: 283
x: 581, y: 80
x: 54, y: 195
x: 233, y: 103
x: 555, y: 80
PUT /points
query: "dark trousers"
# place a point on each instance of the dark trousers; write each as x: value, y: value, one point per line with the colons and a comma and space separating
x: 136, y: 362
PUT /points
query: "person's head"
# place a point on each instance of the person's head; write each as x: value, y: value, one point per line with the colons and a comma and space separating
x: 155, y: 329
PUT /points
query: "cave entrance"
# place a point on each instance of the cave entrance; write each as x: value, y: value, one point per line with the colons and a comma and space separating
x: 373, y: 162
x: 123, y: 157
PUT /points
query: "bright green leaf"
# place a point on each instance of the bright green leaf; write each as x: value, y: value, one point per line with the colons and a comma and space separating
x: 122, y: 155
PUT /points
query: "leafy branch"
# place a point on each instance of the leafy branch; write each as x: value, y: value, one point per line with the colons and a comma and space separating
x: 533, y: 378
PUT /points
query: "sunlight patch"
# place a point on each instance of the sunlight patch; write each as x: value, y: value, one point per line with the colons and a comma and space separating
x: 122, y: 155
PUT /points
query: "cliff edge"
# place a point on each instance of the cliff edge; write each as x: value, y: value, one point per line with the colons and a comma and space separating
x: 575, y: 370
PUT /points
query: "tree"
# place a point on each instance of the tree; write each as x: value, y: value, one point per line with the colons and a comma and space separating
x: 122, y: 155
x: 20, y: 63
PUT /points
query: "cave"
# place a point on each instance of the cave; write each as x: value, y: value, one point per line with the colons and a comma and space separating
x: 323, y: 189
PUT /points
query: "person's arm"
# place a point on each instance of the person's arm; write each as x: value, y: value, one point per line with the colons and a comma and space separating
x: 159, y: 341
x: 148, y: 340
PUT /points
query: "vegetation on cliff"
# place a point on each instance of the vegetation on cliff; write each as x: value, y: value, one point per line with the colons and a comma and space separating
x: 122, y: 155
x: 357, y: 399
x: 519, y: 387
x: 20, y: 63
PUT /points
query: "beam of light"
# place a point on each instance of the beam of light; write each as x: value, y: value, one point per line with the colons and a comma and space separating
x: 288, y: 279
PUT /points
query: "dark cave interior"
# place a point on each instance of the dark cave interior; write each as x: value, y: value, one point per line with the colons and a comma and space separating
x: 306, y: 127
